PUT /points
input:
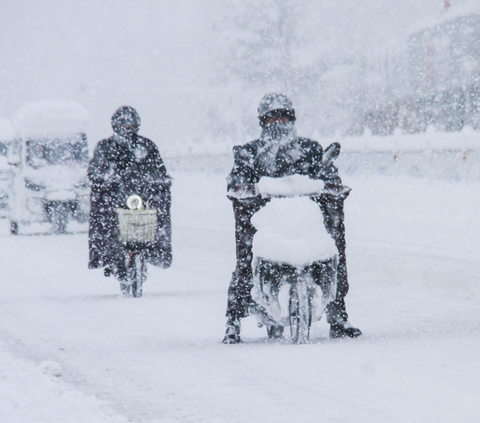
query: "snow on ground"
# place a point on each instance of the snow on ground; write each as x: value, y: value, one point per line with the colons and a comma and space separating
x: 31, y: 393
x: 413, y: 263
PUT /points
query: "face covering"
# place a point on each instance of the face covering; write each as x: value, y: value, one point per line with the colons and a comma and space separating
x: 279, y: 132
x: 276, y: 136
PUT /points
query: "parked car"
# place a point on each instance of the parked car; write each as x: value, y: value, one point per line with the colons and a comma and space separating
x: 50, y: 192
x: 7, y: 136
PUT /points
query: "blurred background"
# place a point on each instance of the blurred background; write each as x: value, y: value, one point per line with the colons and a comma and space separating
x: 195, y: 71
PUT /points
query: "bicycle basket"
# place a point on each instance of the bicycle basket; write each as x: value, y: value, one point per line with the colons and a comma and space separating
x: 137, y: 225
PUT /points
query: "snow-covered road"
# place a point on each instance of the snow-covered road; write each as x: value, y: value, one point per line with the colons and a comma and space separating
x: 414, y: 267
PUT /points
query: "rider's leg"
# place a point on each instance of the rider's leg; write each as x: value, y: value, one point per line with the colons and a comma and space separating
x: 101, y: 227
x: 117, y: 262
x: 119, y: 270
x: 160, y: 252
x: 333, y: 212
x: 342, y: 279
x: 336, y: 311
x: 241, y: 283
x: 239, y: 292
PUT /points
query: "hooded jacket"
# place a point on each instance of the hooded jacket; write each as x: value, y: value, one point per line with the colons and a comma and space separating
x: 121, y: 167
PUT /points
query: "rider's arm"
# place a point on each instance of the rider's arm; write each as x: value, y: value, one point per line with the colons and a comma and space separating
x: 158, y: 169
x: 327, y: 172
x: 242, y: 171
x: 100, y: 168
x: 319, y: 169
x: 241, y: 180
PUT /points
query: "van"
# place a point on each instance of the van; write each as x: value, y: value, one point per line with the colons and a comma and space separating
x: 50, y: 191
x: 7, y: 136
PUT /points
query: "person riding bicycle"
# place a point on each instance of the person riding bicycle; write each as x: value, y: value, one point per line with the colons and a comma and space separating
x: 279, y: 152
x: 125, y: 164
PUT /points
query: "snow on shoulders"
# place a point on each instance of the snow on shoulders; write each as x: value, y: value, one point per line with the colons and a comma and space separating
x: 45, y: 118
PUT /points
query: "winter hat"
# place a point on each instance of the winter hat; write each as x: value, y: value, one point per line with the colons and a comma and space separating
x: 126, y: 121
x: 275, y: 105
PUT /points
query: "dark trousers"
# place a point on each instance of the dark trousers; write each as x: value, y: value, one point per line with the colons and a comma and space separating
x: 242, y: 278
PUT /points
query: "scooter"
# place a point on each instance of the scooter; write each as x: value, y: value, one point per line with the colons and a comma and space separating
x: 295, y: 260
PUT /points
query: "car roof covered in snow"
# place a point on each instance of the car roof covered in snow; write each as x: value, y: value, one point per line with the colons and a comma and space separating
x: 7, y: 133
x: 46, y: 118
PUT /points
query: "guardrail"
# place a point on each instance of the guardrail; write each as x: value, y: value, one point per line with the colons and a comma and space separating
x: 451, y: 156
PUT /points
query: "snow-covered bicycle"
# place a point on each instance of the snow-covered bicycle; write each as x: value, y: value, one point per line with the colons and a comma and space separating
x: 294, y: 258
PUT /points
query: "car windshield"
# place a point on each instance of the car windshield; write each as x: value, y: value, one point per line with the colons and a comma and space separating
x: 66, y: 151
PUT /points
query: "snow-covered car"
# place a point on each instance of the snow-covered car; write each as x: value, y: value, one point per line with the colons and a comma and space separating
x: 6, y: 176
x: 7, y: 136
x: 50, y: 188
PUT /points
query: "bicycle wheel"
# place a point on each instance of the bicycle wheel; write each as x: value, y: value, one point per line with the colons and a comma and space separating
x: 300, y: 313
x: 139, y: 274
x: 126, y: 285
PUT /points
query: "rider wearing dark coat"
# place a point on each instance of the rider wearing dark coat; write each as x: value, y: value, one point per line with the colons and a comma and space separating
x: 280, y: 153
x: 126, y: 164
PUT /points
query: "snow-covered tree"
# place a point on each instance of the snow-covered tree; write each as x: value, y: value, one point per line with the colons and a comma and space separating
x: 255, y: 42
x: 259, y: 47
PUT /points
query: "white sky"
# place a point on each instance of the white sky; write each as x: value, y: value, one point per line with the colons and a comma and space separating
x: 155, y: 54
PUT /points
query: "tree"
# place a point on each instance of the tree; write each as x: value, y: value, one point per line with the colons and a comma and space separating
x: 259, y: 47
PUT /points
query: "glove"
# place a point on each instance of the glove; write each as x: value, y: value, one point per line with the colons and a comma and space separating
x: 335, y: 190
x: 243, y: 191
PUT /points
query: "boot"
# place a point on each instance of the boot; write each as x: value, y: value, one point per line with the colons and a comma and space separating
x: 338, y: 319
x: 275, y: 332
x: 342, y: 329
x: 119, y: 270
x: 232, y: 333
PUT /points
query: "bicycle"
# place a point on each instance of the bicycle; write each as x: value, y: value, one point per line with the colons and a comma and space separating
x: 137, y: 229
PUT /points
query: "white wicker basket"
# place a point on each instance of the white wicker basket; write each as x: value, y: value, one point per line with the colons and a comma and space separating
x: 137, y: 225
